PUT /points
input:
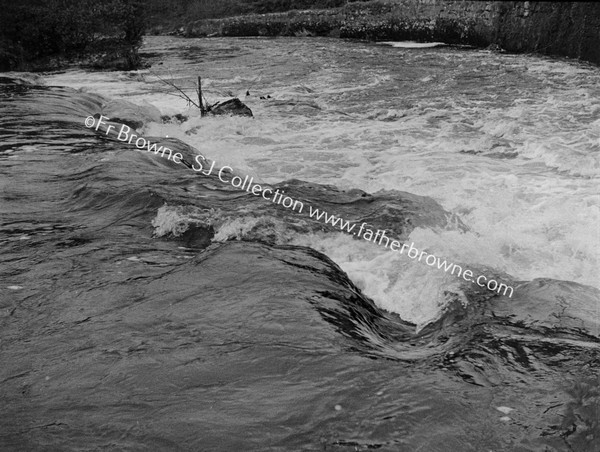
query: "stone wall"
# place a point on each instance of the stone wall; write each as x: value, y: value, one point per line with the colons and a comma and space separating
x: 567, y: 29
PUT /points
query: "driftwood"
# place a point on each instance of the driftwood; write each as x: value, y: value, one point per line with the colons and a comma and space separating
x: 232, y: 106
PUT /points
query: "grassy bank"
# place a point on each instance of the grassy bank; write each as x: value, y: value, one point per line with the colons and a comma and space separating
x: 569, y: 29
x: 372, y: 20
x: 106, y: 34
x: 165, y: 16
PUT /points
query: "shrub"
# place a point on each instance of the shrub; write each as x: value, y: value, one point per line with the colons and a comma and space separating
x: 37, y: 29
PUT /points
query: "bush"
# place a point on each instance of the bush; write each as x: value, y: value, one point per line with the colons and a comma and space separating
x: 36, y: 30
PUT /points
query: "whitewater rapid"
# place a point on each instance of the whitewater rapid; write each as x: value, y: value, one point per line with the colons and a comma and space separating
x: 508, y: 144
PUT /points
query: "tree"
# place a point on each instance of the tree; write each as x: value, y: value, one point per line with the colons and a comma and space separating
x: 35, y: 29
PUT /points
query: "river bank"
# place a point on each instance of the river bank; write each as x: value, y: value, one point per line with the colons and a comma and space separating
x: 562, y: 29
x: 53, y: 35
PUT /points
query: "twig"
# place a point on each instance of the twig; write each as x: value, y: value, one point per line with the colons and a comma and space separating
x: 182, y: 94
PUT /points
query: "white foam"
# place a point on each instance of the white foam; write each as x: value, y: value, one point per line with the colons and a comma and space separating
x: 412, y: 44
x: 519, y: 162
x: 394, y: 281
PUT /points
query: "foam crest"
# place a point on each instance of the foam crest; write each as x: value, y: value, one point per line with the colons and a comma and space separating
x: 508, y: 143
x: 395, y: 282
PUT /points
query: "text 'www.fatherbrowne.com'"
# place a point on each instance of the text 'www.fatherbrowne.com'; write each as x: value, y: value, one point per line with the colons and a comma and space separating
x: 247, y: 184
x: 430, y: 259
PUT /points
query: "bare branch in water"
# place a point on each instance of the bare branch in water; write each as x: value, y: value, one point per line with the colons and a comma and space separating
x: 181, y: 94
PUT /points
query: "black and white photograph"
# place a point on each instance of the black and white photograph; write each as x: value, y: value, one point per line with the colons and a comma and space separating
x: 299, y: 225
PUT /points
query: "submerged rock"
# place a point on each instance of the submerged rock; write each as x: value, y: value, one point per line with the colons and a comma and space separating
x: 495, y: 48
x: 175, y: 119
x: 231, y: 107
x: 130, y: 114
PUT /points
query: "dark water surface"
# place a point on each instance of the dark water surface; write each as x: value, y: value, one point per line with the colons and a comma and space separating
x: 144, y: 307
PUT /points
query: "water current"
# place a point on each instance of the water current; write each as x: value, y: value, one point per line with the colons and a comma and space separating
x: 146, y: 306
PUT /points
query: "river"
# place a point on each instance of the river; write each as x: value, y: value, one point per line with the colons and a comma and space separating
x: 147, y: 306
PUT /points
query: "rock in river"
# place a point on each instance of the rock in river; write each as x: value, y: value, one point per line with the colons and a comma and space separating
x: 231, y: 107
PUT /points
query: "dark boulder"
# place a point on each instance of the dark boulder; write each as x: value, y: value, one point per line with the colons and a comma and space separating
x: 231, y: 107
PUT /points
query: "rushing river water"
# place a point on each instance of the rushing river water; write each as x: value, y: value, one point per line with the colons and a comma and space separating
x: 146, y: 306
